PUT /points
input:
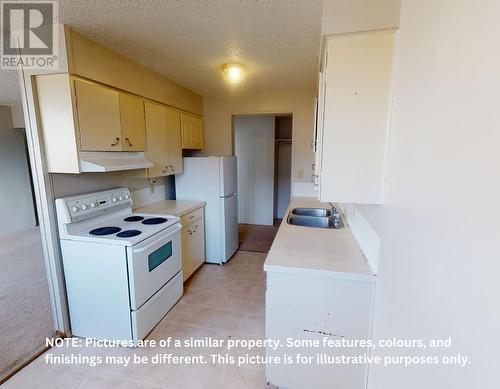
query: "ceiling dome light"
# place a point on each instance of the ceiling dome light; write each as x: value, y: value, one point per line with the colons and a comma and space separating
x: 233, y: 72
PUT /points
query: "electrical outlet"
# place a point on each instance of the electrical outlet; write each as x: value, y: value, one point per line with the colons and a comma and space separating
x: 300, y: 174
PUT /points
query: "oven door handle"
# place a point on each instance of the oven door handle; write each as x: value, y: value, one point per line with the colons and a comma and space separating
x: 163, y: 238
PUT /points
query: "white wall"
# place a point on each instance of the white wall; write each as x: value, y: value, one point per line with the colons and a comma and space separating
x: 341, y: 16
x: 440, y: 257
x: 218, y: 113
x: 16, y: 202
x: 17, y: 116
x: 254, y: 149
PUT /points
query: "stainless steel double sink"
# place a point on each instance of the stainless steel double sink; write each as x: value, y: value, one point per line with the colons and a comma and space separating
x: 315, y: 217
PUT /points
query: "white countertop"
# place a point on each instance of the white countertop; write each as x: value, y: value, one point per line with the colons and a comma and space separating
x: 316, y: 251
x: 171, y: 207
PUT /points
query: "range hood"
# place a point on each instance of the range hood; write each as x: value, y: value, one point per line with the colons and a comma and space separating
x: 111, y: 161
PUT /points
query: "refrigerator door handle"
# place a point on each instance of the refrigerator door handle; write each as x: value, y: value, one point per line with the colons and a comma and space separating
x: 229, y: 195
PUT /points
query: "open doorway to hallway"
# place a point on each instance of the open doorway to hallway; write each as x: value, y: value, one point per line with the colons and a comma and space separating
x: 25, y: 308
x: 263, y: 147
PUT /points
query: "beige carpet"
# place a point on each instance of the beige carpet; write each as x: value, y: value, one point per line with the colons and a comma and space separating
x: 257, y: 238
x: 25, y: 312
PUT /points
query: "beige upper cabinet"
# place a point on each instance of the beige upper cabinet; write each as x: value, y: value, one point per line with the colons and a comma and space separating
x: 163, y: 133
x: 132, y: 123
x: 156, y: 135
x: 109, y: 120
x: 79, y: 115
x: 174, y: 141
x: 197, y: 133
x: 98, y: 117
x: 192, y: 131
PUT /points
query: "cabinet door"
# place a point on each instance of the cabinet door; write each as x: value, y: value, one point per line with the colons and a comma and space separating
x: 193, y: 247
x: 156, y: 138
x: 174, y: 141
x: 197, y: 133
x: 98, y: 117
x: 187, y: 255
x: 132, y: 123
x: 187, y: 131
x: 319, y: 132
x: 198, y: 250
x: 356, y: 112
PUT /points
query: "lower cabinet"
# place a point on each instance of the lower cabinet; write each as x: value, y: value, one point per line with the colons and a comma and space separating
x: 332, y: 310
x: 193, y: 241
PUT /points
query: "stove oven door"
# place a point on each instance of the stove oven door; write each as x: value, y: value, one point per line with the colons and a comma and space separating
x: 152, y: 263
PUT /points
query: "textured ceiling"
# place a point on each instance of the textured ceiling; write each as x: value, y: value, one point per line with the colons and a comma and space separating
x: 187, y: 41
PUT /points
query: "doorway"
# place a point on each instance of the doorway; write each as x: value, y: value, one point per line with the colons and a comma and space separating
x: 263, y: 147
x: 26, y: 314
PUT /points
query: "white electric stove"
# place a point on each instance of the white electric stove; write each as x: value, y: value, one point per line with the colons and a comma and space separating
x: 122, y: 269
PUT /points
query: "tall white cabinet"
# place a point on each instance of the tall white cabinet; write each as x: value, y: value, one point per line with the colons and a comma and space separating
x: 353, y: 116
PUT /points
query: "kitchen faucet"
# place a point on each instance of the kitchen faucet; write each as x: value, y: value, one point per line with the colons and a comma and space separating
x: 337, y: 220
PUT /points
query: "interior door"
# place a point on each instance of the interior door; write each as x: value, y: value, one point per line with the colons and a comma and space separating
x: 174, y: 140
x: 132, y: 123
x: 98, y: 117
x: 157, y: 142
x: 254, y: 148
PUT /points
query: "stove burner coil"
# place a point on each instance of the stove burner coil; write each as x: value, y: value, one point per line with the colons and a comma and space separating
x: 133, y: 219
x: 105, y: 231
x: 154, y: 220
x: 128, y: 233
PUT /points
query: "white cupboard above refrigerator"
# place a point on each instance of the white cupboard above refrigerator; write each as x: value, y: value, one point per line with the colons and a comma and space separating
x: 354, y: 104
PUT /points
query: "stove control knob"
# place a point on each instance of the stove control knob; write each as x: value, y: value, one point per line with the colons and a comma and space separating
x: 120, y: 198
x: 127, y: 197
x: 74, y: 209
x: 113, y: 199
x: 84, y: 206
x: 92, y: 205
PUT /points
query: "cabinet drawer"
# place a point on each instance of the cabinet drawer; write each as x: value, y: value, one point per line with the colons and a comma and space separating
x: 148, y: 316
x: 191, y: 217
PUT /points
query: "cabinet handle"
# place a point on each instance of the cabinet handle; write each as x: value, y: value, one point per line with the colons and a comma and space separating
x: 117, y: 140
x: 314, y: 180
x: 129, y: 143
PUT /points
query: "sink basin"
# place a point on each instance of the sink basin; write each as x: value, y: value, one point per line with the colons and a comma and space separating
x: 316, y: 212
x: 311, y: 221
x: 314, y: 217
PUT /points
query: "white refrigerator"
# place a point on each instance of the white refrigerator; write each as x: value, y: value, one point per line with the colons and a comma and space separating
x: 213, y: 180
